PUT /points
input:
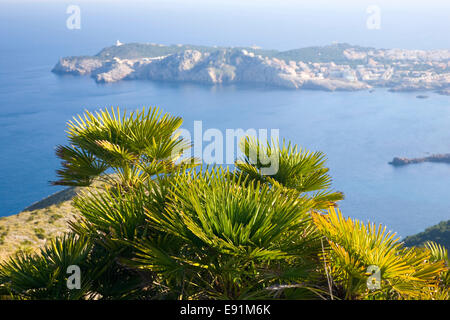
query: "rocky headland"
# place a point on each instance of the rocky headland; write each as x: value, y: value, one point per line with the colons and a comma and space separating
x: 330, y: 68
x: 445, y: 158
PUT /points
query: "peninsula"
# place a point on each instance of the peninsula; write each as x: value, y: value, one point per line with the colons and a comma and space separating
x: 334, y: 67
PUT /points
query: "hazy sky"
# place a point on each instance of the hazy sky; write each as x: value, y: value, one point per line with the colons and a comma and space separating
x: 279, y: 24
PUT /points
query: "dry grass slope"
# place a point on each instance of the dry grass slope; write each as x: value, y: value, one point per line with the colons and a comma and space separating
x: 32, y: 228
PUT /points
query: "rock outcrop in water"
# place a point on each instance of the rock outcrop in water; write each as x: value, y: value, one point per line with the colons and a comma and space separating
x: 330, y: 68
x: 445, y: 158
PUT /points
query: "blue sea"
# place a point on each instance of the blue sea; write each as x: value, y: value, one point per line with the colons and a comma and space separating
x: 359, y: 131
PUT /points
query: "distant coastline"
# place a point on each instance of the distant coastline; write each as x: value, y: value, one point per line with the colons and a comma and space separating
x: 331, y: 68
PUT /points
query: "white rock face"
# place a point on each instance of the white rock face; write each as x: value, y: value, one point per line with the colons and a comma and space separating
x: 78, y: 66
x: 221, y: 66
x: 117, y: 72
x: 176, y: 67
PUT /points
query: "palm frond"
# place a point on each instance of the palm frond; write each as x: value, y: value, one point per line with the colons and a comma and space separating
x: 44, y: 275
x: 355, y: 246
x: 130, y: 145
x: 297, y: 169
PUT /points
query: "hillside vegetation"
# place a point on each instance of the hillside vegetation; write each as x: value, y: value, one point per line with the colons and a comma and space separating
x: 330, y: 53
x: 43, y: 221
x: 439, y: 233
x: 32, y: 228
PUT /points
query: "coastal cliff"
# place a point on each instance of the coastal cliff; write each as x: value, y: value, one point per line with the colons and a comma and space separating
x: 222, y: 66
x: 330, y: 68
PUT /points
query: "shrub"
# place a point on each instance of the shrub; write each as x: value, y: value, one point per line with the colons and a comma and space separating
x: 40, y: 233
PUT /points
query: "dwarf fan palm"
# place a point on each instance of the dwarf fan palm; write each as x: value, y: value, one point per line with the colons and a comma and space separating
x: 135, y: 147
x: 226, y: 238
x: 438, y: 253
x: 354, y: 246
x: 295, y: 168
x: 167, y: 231
x: 44, y: 275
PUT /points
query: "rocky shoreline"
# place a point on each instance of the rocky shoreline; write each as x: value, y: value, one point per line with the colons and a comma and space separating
x: 329, y: 68
x: 444, y: 158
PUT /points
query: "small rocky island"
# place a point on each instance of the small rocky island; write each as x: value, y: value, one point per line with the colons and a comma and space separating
x: 334, y: 67
x: 445, y: 158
